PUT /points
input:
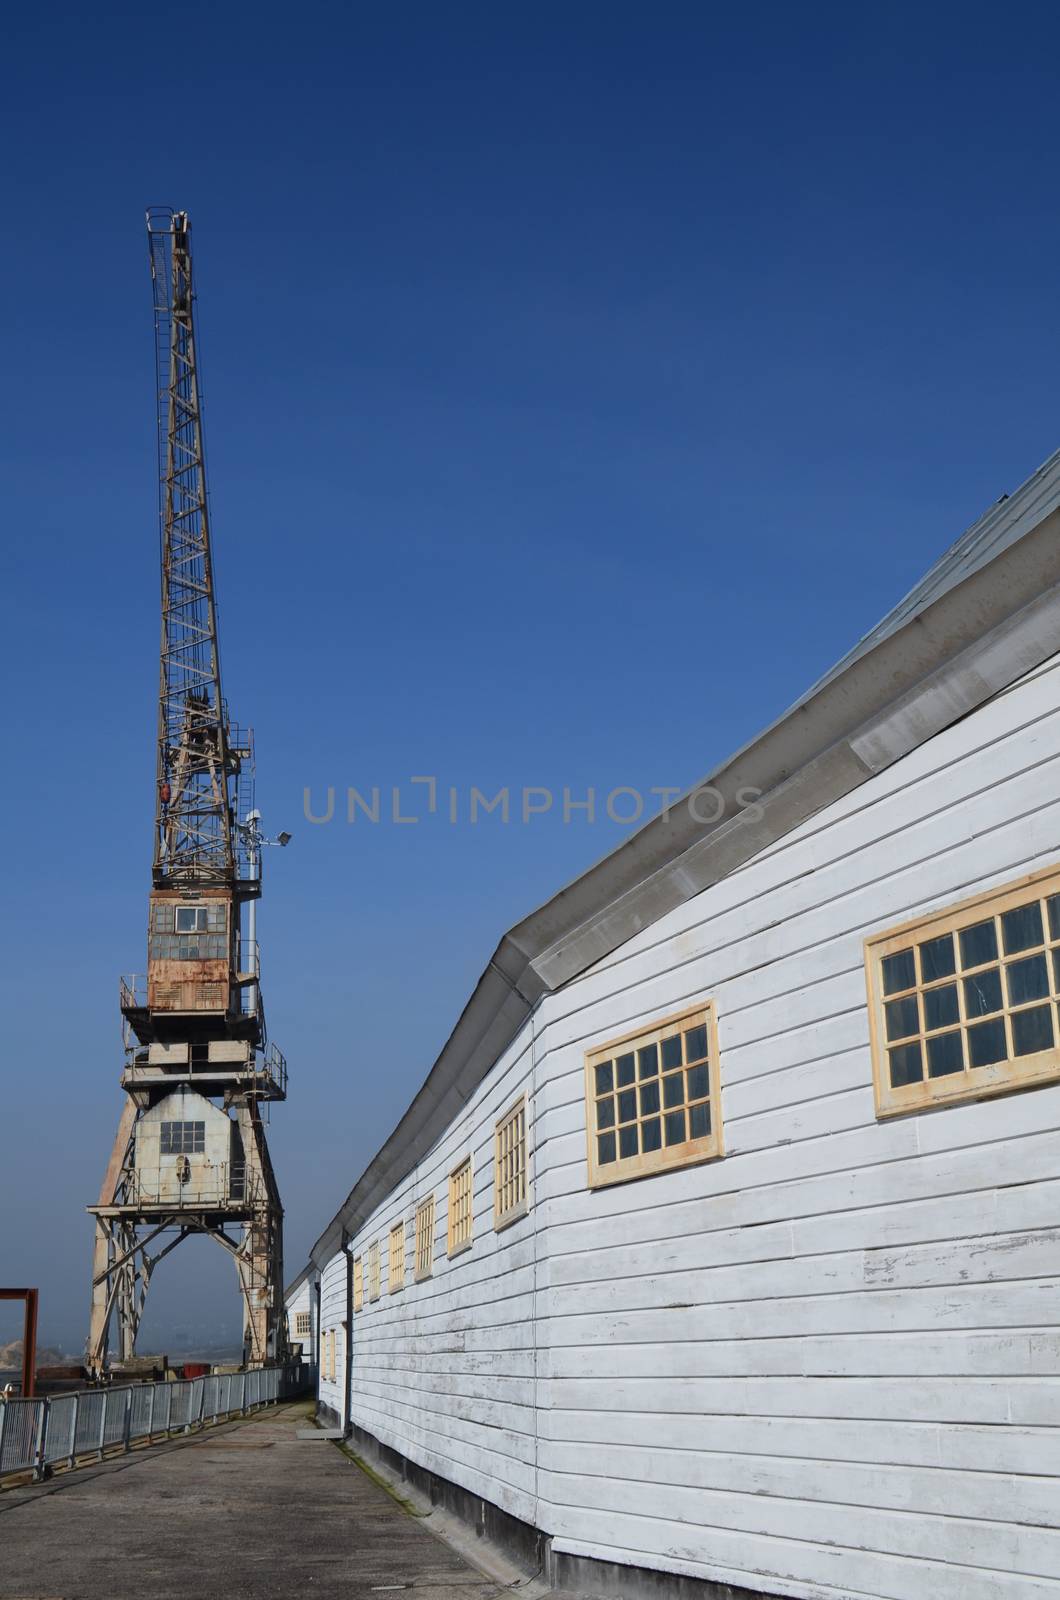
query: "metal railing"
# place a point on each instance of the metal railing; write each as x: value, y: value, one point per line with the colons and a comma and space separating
x: 59, y: 1430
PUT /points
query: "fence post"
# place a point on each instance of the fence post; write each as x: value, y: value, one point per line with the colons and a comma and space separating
x: 39, y: 1468
x: 127, y: 1427
x: 73, y: 1431
x: 106, y: 1393
x: 151, y: 1414
x: 3, y: 1428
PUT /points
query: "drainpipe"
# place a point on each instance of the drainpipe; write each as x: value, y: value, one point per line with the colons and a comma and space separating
x: 347, y: 1426
x: 319, y: 1341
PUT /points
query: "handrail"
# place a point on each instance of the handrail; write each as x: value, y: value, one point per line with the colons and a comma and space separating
x: 39, y: 1435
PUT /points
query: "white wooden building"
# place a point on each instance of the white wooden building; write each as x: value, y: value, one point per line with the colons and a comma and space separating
x: 723, y: 1238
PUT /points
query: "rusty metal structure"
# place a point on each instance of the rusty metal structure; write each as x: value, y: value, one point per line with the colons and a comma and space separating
x: 29, y: 1298
x: 191, y: 1155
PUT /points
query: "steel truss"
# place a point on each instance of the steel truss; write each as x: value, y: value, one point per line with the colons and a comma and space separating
x: 123, y: 1263
x: 197, y: 765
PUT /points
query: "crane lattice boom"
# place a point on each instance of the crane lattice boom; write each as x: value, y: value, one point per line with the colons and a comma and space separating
x: 197, y: 766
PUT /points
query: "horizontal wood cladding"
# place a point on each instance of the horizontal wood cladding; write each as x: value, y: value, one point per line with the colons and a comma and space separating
x: 826, y: 1365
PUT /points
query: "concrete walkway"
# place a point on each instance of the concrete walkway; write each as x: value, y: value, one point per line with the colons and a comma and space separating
x: 244, y: 1510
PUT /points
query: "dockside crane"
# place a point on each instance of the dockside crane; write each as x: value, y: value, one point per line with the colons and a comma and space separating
x: 191, y: 1154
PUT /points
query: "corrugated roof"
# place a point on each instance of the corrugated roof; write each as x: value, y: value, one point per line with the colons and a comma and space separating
x: 1007, y: 520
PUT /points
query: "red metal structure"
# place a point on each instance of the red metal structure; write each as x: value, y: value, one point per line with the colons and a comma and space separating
x: 29, y: 1338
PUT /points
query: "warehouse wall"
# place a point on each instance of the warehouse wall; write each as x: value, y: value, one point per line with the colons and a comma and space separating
x: 829, y: 1362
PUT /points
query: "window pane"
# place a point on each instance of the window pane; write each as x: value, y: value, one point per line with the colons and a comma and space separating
x: 1032, y: 1031
x: 605, y: 1148
x: 1021, y: 928
x: 945, y: 1054
x: 624, y: 1069
x: 605, y: 1112
x: 698, y: 1121
x: 627, y: 1141
x: 1027, y: 979
x: 698, y: 1083
x: 648, y: 1061
x: 674, y: 1090
x: 671, y: 1051
x: 649, y: 1098
x: 604, y: 1077
x: 903, y: 1017
x: 937, y: 958
x: 675, y: 1127
x: 982, y: 994
x: 899, y: 972
x: 1054, y: 916
x: 940, y: 1006
x: 987, y: 1043
x: 696, y: 1044
x: 627, y: 1105
x: 906, y: 1064
x: 978, y: 944
x: 651, y: 1134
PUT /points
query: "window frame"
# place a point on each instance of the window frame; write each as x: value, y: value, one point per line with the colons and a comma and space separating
x: 669, y: 1158
x: 1008, y: 1076
x: 423, y: 1258
x: 200, y: 911
x: 358, y: 1283
x: 456, y: 1247
x: 521, y: 1207
x: 303, y: 1325
x: 396, y: 1279
x: 195, y: 1148
x: 375, y: 1276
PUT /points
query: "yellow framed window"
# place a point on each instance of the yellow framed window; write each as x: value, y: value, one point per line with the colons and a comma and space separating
x: 396, y: 1266
x: 653, y: 1099
x: 460, y: 1215
x: 358, y: 1283
x: 424, y: 1238
x: 963, y: 1003
x: 509, y: 1166
x: 303, y: 1326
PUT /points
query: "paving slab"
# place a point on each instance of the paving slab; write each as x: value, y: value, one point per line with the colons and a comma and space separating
x: 243, y: 1511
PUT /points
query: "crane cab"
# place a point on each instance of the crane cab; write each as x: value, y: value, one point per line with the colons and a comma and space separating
x: 190, y: 951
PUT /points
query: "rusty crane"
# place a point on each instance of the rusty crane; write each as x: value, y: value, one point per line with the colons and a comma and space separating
x: 190, y: 1155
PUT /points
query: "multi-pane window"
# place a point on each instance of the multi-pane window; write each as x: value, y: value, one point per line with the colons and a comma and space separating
x: 188, y: 933
x: 425, y: 1238
x: 374, y: 1284
x: 653, y: 1099
x: 358, y: 1283
x: 459, y: 1231
x: 183, y: 1138
x: 964, y: 1003
x: 396, y: 1270
x: 509, y: 1166
x: 303, y: 1327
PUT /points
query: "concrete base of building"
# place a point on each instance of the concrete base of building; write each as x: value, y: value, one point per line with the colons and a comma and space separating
x: 529, y: 1548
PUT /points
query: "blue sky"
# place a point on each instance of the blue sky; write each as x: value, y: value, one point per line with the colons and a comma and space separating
x: 581, y: 381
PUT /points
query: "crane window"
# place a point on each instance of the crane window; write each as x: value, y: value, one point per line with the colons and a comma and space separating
x: 191, y: 919
x: 188, y: 933
x: 183, y: 1138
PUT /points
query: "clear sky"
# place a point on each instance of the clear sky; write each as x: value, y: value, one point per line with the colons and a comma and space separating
x: 581, y: 381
